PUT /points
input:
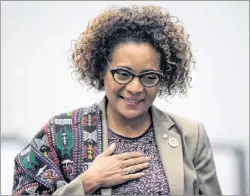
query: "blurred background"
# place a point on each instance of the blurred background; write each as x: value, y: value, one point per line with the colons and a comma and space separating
x: 36, y: 81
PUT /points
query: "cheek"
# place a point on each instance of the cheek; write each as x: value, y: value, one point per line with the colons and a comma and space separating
x: 152, y: 92
x: 110, y: 86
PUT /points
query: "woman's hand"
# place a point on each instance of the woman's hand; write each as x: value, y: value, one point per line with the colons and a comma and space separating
x: 108, y: 170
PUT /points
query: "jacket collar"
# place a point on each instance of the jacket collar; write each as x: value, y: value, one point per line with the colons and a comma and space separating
x: 166, y: 135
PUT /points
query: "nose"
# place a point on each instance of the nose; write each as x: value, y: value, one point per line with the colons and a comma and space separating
x: 135, y: 86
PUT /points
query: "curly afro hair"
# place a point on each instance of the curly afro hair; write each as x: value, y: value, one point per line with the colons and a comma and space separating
x: 149, y: 24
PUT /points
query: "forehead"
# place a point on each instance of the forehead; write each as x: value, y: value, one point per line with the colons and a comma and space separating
x: 137, y: 56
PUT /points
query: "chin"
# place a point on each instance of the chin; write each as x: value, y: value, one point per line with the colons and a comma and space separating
x: 131, y: 114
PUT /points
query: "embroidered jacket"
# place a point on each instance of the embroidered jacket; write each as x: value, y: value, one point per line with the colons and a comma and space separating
x: 68, y: 143
x: 63, y: 149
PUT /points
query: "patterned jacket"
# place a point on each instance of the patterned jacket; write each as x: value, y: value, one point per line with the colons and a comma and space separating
x: 68, y: 143
x: 61, y: 151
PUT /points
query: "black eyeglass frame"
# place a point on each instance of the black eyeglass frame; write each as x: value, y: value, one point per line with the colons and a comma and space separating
x: 114, y: 70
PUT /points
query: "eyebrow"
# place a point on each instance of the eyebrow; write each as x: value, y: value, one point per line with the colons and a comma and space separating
x: 146, y: 70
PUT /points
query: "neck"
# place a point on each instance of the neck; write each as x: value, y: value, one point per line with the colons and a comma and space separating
x: 127, y: 127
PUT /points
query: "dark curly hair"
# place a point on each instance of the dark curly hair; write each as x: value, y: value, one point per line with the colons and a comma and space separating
x: 149, y: 24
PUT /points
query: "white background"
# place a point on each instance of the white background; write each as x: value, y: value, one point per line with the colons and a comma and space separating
x: 36, y: 81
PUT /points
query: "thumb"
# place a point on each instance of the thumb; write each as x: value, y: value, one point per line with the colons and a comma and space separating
x: 108, y: 151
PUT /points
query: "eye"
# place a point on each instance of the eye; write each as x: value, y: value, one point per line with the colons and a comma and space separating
x: 151, y: 77
x: 122, y: 75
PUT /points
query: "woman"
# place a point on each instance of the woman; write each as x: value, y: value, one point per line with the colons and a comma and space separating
x: 124, y: 145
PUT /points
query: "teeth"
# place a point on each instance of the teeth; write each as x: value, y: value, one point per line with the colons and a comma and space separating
x: 133, y: 101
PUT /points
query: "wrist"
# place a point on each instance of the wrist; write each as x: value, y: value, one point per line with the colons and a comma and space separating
x: 90, y: 184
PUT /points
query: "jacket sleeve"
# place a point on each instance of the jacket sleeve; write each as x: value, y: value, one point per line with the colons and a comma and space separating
x: 75, y: 187
x: 38, y: 170
x: 205, y: 166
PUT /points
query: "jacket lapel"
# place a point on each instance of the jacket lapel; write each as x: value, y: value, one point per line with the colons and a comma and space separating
x: 102, y: 106
x: 170, y: 150
x: 166, y: 138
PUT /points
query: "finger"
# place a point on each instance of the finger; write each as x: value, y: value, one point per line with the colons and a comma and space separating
x: 137, y: 167
x: 110, y: 150
x: 135, y: 161
x: 133, y: 176
x: 129, y: 155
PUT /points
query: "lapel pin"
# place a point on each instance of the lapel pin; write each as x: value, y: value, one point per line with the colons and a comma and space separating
x: 165, y: 136
x: 173, y: 142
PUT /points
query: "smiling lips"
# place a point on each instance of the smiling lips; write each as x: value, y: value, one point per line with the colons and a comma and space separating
x: 132, y: 101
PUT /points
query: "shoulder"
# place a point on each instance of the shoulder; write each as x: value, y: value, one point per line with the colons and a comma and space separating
x: 60, y: 128
x: 73, y: 117
x: 184, y: 124
x: 191, y: 131
x: 193, y: 135
x: 61, y: 123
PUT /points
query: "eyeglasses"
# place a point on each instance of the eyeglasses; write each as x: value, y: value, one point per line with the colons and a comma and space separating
x: 124, y: 76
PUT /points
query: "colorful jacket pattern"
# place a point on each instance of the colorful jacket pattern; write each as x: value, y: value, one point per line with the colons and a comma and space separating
x: 63, y: 149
